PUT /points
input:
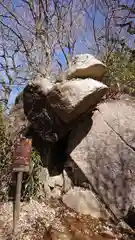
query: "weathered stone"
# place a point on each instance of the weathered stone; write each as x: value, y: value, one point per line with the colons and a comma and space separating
x: 44, y: 191
x: 106, y: 155
x: 83, y: 202
x: 67, y: 182
x: 55, y: 181
x: 42, y: 84
x: 122, y: 225
x: 43, y: 119
x: 84, y: 66
x: 73, y: 98
x: 108, y: 235
x: 56, y: 193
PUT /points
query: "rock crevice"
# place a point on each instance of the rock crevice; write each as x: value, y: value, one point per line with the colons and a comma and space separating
x: 130, y: 146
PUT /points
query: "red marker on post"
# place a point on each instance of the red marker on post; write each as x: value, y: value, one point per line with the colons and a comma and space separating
x: 21, y: 163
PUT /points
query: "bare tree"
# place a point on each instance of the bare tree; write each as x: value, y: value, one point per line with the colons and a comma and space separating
x: 38, y: 36
x: 107, y: 20
x: 43, y: 35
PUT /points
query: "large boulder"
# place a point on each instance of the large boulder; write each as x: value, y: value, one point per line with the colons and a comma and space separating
x: 50, y: 108
x: 39, y: 113
x: 84, y: 66
x: 73, y: 98
x: 106, y: 155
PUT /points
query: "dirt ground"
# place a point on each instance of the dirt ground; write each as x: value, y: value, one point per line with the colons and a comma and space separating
x: 54, y: 221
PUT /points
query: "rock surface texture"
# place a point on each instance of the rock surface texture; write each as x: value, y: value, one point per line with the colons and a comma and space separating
x: 106, y: 156
x: 50, y: 107
x: 100, y: 150
x: 101, y: 156
x: 71, y: 99
x: 84, y: 202
x: 84, y: 66
x: 95, y: 154
x: 42, y: 117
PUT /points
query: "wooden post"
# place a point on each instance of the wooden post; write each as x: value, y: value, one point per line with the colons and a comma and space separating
x: 16, y: 205
x: 21, y: 164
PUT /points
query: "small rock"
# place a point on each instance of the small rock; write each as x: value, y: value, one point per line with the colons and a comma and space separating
x: 67, y: 182
x: 125, y: 227
x: 56, y: 193
x: 55, y: 181
x: 83, y: 202
x: 54, y: 234
x: 44, y: 189
x: 107, y: 234
x: 26, y: 237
